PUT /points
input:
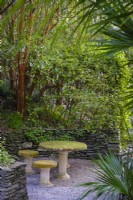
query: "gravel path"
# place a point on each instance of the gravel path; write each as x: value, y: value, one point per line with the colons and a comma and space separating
x: 80, y: 171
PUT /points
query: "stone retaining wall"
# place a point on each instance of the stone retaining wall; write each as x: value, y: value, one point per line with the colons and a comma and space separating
x: 101, y: 141
x: 13, y: 182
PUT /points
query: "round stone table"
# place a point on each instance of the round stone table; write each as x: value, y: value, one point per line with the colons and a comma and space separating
x: 63, y: 147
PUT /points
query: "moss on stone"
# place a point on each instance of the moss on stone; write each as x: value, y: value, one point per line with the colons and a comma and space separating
x: 63, y: 145
x: 44, y: 164
x: 28, y: 153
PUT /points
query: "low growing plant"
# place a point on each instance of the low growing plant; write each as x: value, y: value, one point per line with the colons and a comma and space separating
x: 39, y: 134
x: 5, y: 158
x: 13, y: 119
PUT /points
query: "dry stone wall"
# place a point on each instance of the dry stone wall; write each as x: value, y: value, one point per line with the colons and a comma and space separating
x: 100, y: 141
x: 13, y: 182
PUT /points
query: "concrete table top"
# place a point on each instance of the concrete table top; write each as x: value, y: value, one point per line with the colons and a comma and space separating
x: 63, y: 147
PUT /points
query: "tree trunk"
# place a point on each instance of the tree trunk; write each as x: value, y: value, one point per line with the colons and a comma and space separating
x: 23, y: 59
x: 12, y: 80
x: 58, y: 91
x: 21, y: 89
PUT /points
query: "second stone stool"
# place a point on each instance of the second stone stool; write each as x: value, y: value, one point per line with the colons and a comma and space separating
x: 45, y: 166
x: 28, y: 158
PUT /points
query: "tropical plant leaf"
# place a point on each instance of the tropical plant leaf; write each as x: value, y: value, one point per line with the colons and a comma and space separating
x: 113, y: 177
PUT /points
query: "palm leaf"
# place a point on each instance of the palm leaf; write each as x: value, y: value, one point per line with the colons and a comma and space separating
x: 112, y: 178
x: 114, y: 19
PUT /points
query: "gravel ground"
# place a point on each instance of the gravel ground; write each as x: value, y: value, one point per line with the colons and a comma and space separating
x: 80, y: 171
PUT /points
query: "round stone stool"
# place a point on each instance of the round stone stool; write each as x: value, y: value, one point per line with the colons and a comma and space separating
x: 45, y: 166
x: 28, y: 158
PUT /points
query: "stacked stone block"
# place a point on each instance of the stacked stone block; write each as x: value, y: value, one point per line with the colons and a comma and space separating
x: 13, y: 182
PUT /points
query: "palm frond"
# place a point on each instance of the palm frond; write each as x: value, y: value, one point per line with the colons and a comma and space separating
x: 113, y: 177
x: 113, y: 19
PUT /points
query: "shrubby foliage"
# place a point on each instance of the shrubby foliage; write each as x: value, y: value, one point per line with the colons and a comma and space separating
x: 78, y: 88
x: 5, y: 158
x: 38, y: 134
x: 67, y: 86
x: 70, y: 87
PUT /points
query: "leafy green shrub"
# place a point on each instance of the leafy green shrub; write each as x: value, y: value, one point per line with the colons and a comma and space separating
x: 5, y: 158
x: 13, y: 119
x: 38, y: 134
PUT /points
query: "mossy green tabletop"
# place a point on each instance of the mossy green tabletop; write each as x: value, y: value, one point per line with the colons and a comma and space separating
x: 63, y: 147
